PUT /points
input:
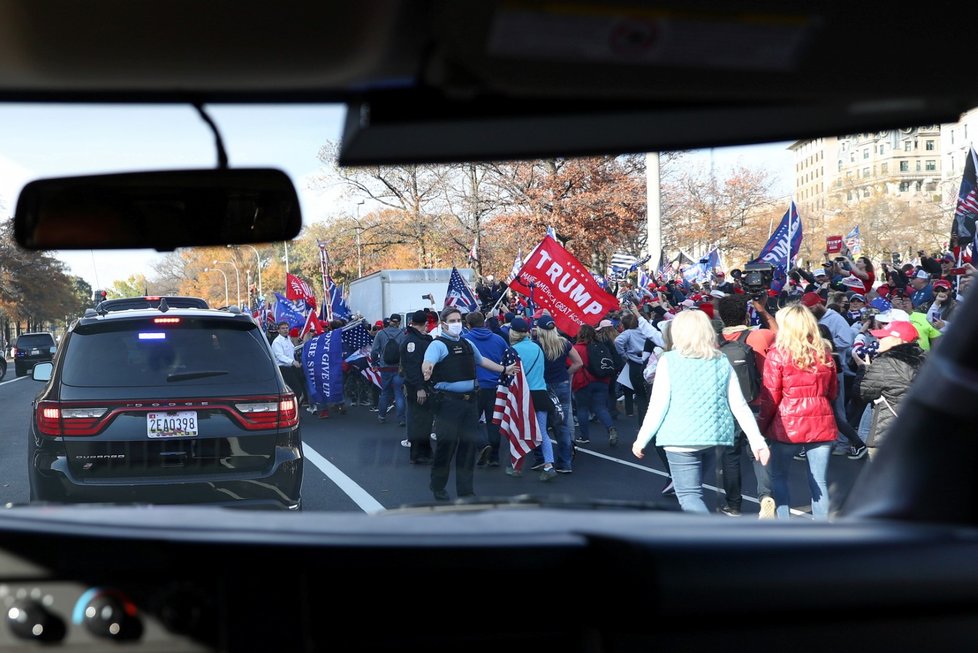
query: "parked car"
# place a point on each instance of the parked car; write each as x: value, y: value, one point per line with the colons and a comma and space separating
x: 176, y: 406
x: 32, y: 348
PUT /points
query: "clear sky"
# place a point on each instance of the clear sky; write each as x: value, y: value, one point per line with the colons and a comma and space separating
x: 50, y: 140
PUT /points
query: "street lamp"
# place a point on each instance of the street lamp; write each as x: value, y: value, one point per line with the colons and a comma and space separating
x: 226, y: 300
x: 359, y: 258
x: 237, y: 280
x: 258, y: 258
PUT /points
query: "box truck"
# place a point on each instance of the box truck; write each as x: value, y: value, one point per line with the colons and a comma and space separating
x: 383, y: 293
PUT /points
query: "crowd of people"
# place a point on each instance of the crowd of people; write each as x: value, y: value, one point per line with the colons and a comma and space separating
x: 834, y: 351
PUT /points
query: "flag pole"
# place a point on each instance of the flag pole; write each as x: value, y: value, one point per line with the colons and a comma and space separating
x: 324, y: 270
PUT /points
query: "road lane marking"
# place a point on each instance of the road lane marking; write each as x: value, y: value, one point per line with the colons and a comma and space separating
x: 628, y: 463
x: 19, y: 378
x: 360, y: 496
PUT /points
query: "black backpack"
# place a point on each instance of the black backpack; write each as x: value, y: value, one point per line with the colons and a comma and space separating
x: 392, y: 352
x: 600, y: 362
x: 741, y: 357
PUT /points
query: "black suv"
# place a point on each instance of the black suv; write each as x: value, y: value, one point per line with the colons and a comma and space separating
x: 165, y: 406
x: 31, y: 349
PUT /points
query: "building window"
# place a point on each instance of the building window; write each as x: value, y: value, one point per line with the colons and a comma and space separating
x: 866, y: 153
x: 929, y: 146
x: 904, y: 186
x: 865, y: 173
x: 849, y: 195
x: 840, y: 166
x: 852, y: 157
x: 884, y: 167
x: 930, y: 165
x: 866, y: 192
x: 917, y: 165
x: 906, y: 146
x: 904, y: 166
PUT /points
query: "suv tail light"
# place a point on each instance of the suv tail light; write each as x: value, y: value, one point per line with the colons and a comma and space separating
x: 53, y: 420
x: 273, y: 413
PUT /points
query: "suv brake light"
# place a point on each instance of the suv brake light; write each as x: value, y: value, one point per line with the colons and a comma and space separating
x: 271, y: 414
x: 55, y: 421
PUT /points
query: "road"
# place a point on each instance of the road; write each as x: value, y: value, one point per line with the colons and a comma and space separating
x: 355, y: 464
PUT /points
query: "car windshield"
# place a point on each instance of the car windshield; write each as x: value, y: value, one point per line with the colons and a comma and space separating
x: 571, y: 285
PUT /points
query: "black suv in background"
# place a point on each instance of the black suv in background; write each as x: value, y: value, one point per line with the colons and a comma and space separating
x: 31, y: 349
x: 165, y: 406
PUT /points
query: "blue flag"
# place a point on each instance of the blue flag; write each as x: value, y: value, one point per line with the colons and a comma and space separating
x: 355, y: 337
x: 322, y: 363
x: 459, y: 295
x: 341, y: 311
x: 287, y: 311
x: 776, y: 251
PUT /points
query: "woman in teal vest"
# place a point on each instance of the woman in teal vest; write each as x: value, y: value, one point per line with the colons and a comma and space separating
x: 695, y: 399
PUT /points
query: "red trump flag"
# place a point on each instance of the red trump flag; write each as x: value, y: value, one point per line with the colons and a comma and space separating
x: 564, y: 287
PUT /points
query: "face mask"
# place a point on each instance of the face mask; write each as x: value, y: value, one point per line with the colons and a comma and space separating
x: 455, y: 328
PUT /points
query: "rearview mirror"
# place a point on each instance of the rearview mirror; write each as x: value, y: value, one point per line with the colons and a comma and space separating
x: 159, y: 210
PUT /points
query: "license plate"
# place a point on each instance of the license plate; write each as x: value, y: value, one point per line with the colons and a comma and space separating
x: 174, y: 424
x: 35, y: 352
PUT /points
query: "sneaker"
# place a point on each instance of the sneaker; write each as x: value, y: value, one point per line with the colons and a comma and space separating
x: 767, y: 508
x: 512, y: 471
x: 730, y: 512
x: 324, y: 415
x: 563, y: 470
x: 381, y: 419
x: 389, y: 409
x: 580, y: 440
x: 406, y: 443
x: 538, y: 466
x: 612, y: 437
x: 374, y: 409
x: 483, y: 458
x: 441, y: 495
x: 494, y: 463
x: 855, y: 453
x: 548, y: 474
x: 364, y: 402
x: 434, y: 436
x: 310, y: 409
x: 800, y: 455
x: 669, y: 490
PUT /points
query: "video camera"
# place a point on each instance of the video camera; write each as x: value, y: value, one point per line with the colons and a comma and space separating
x: 757, y: 278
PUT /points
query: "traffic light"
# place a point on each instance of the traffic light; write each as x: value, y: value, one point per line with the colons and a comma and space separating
x: 98, y: 296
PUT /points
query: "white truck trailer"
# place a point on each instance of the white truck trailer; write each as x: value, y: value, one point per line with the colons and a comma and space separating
x: 381, y: 294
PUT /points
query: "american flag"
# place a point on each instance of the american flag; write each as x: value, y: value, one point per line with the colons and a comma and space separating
x: 963, y: 229
x: 459, y: 295
x: 373, y: 376
x: 513, y: 411
x: 517, y: 266
x: 355, y: 337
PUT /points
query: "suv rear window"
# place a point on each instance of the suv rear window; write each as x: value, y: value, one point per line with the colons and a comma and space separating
x: 31, y: 340
x: 140, y: 353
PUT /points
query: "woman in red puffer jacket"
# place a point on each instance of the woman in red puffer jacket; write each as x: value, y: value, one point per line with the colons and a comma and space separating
x: 800, y: 384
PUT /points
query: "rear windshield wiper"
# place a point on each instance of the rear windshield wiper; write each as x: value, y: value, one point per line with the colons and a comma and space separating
x: 186, y: 376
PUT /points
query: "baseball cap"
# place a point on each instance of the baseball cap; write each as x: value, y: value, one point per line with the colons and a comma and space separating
x: 810, y: 299
x: 717, y: 293
x: 379, y: 323
x: 921, y: 274
x: 881, y: 305
x: 605, y: 323
x: 509, y: 317
x: 856, y: 297
x: 538, y: 314
x: 893, y: 315
x: 395, y: 318
x: 546, y: 322
x: 419, y: 317
x: 819, y: 272
x: 901, y: 329
x: 942, y: 284
x: 519, y: 325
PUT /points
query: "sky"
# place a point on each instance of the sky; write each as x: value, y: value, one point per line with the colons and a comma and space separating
x: 49, y: 140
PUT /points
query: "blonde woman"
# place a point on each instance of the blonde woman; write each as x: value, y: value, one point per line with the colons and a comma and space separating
x: 694, y: 401
x: 799, y: 387
x: 561, y: 361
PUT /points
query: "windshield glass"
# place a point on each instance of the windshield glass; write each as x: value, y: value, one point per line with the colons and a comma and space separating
x: 597, y: 290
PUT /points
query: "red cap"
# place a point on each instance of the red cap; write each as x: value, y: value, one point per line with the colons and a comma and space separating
x: 905, y: 331
x: 942, y: 283
x: 810, y: 299
x: 707, y: 308
x: 379, y: 323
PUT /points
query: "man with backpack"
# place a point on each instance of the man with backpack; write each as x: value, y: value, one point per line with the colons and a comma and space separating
x: 746, y: 349
x: 386, y: 354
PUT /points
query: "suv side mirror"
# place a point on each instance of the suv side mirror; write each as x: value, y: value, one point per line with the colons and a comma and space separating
x: 42, y: 372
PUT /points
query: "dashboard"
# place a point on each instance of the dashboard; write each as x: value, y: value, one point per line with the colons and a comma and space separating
x: 125, y: 579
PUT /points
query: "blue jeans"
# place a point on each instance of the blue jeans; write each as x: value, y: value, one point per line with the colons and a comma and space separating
x: 817, y: 456
x: 545, y: 445
x: 593, y: 398
x: 392, y: 383
x: 687, y: 476
x: 565, y: 435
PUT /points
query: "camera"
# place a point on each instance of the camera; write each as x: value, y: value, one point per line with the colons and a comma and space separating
x: 757, y: 277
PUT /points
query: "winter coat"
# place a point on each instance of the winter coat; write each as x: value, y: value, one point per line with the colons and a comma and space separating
x: 796, y: 404
x: 889, y: 376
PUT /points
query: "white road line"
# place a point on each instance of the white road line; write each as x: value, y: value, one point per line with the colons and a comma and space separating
x: 19, y: 378
x: 360, y: 496
x: 793, y: 511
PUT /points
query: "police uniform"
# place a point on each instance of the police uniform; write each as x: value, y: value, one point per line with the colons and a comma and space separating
x: 456, y: 415
x: 419, y: 416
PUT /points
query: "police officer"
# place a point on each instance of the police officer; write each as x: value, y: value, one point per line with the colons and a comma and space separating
x: 449, y: 363
x: 419, y: 413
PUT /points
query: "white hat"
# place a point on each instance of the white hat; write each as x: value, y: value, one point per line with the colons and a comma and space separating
x: 717, y: 293
x: 689, y: 303
x: 820, y: 272
x: 921, y: 274
x: 893, y: 315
